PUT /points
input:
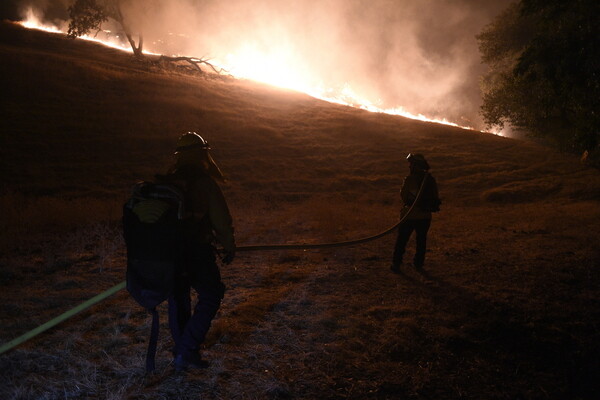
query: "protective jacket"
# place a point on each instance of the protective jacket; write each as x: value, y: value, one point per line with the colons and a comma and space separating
x: 207, y: 216
x: 410, y: 189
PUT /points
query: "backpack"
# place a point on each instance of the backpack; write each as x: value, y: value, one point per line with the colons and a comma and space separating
x: 429, y: 201
x: 152, y: 229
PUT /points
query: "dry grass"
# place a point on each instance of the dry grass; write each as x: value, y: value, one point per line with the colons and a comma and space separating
x: 508, y: 307
x: 30, y: 216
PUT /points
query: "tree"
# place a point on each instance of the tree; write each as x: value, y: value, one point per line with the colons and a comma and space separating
x: 89, y: 15
x: 544, y: 67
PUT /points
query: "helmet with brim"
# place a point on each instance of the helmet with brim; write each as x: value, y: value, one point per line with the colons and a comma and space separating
x: 189, y: 141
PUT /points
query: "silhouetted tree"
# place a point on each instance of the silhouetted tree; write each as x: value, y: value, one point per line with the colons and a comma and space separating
x: 89, y: 15
x: 544, y: 66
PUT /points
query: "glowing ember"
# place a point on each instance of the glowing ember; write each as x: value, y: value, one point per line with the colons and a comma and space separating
x: 278, y: 67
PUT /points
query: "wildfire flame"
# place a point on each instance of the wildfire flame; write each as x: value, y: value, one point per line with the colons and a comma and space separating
x: 277, y: 67
x: 32, y: 21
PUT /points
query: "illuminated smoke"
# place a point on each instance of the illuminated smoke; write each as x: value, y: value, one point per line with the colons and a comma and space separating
x: 420, y: 55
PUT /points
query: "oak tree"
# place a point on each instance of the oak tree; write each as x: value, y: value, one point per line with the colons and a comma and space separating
x: 544, y: 70
x: 89, y: 15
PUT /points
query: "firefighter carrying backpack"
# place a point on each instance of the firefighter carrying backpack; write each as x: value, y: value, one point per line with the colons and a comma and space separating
x: 153, y: 238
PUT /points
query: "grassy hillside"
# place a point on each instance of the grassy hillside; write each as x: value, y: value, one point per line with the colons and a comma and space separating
x: 508, y: 306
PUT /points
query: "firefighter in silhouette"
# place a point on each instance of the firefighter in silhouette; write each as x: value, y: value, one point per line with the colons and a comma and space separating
x: 416, y: 217
x: 207, y: 219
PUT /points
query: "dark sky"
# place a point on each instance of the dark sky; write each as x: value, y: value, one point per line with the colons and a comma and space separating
x: 418, y: 54
x: 8, y: 10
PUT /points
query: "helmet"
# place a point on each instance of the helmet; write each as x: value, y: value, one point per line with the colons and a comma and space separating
x: 191, y: 140
x: 418, y: 160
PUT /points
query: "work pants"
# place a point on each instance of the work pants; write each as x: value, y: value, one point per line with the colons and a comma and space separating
x: 406, y: 228
x: 200, y: 272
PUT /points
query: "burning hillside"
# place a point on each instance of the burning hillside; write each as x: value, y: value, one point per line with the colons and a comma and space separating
x: 334, y: 52
x: 507, y: 306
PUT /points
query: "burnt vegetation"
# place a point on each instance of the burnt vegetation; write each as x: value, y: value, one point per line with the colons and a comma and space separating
x: 507, y: 308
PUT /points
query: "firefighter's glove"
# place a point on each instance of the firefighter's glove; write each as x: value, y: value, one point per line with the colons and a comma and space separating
x: 228, y: 257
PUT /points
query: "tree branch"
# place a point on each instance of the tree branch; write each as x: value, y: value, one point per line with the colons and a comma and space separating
x: 194, y: 61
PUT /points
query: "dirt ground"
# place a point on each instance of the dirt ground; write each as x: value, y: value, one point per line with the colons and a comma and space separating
x: 508, y: 306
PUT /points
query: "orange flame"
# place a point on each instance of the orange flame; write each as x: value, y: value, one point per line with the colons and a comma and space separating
x: 278, y: 68
x: 32, y: 21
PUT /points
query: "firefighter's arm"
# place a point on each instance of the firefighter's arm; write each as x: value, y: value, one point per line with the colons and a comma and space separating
x: 221, y: 220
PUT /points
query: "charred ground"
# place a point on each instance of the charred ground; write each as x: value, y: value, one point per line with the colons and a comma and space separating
x: 509, y: 307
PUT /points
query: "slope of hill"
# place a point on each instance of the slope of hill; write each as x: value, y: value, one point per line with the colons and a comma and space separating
x: 508, y: 308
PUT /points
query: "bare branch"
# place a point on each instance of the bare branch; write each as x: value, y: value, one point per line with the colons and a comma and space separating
x: 194, y: 61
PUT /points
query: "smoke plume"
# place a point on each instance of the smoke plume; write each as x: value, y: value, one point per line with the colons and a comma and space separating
x: 419, y: 55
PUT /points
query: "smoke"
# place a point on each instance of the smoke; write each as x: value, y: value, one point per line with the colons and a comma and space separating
x: 53, y: 11
x: 418, y: 54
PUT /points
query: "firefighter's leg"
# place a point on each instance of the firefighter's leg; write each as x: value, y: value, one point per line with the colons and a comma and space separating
x: 404, y: 231
x: 197, y: 327
x: 180, y: 310
x: 421, y: 227
x: 206, y: 281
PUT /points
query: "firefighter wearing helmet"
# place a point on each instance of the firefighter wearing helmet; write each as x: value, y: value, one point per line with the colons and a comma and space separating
x: 207, y: 221
x: 416, y: 217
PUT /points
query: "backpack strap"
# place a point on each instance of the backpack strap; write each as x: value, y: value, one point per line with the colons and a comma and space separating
x: 150, y: 355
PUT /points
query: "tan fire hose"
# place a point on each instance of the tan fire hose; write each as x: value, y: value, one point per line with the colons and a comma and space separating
x: 302, y: 246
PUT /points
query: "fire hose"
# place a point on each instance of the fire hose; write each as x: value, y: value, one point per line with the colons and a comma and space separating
x: 98, y: 298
